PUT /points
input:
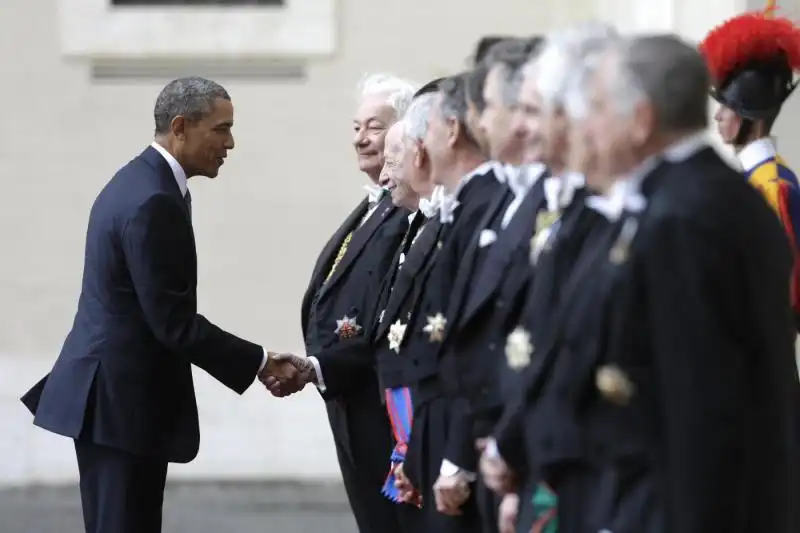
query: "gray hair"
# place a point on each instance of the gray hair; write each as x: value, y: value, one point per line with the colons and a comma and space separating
x: 418, y: 116
x: 563, y: 55
x: 192, y: 98
x: 508, y: 57
x: 399, y: 92
x: 669, y: 73
x: 574, y: 99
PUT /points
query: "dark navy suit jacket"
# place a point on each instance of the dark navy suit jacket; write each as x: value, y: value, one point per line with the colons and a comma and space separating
x: 123, y: 377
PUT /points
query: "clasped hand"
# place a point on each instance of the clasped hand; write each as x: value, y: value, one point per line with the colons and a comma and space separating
x: 286, y: 373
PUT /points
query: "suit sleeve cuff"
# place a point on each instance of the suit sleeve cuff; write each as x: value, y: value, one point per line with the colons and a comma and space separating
x: 318, y: 371
x: 449, y: 469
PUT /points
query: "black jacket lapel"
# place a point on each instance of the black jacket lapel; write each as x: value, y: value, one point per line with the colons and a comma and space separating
x: 361, y: 236
x: 416, y: 260
x: 327, y: 255
x: 492, y: 273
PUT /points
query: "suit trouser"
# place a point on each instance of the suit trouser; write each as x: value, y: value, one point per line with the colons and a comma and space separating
x: 120, y: 492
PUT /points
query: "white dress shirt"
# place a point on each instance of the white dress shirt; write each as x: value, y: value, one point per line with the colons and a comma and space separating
x: 181, y: 180
x: 520, y: 180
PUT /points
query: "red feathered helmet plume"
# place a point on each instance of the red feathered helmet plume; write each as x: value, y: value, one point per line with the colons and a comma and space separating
x: 752, y: 59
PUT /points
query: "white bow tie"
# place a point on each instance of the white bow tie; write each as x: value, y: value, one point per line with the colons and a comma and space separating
x: 623, y: 196
x: 375, y: 192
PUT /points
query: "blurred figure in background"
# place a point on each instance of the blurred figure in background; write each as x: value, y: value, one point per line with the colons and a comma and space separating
x: 753, y: 59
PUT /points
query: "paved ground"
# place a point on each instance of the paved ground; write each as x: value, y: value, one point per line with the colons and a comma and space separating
x: 194, y: 508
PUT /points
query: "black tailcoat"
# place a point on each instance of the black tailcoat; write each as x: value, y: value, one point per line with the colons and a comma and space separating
x: 486, y: 301
x: 421, y: 348
x: 358, y: 420
x: 685, y: 306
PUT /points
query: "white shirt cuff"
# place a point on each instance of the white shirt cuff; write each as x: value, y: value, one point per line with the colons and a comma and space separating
x: 492, y: 450
x: 318, y: 370
x: 449, y: 469
x: 263, y: 361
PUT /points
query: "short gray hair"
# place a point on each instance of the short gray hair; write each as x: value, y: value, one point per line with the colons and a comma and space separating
x: 668, y: 72
x: 192, y: 98
x: 574, y: 100
x: 562, y: 55
x: 418, y: 116
x: 399, y: 92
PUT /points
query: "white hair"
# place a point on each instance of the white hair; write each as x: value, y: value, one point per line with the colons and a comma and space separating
x: 417, y: 117
x: 399, y: 92
x: 563, y: 53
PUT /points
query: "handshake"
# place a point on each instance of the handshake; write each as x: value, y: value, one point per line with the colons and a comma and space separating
x: 286, y: 373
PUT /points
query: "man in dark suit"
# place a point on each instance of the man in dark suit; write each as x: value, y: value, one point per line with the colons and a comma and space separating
x: 469, y: 184
x: 339, y: 307
x: 664, y: 393
x: 374, y: 349
x: 122, y: 384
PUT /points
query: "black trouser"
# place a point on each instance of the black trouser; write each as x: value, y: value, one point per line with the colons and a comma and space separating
x: 120, y: 492
x: 362, y: 435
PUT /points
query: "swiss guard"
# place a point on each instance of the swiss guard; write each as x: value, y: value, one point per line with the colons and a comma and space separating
x: 752, y: 59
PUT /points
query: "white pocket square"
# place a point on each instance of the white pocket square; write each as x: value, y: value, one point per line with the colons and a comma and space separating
x: 486, y: 238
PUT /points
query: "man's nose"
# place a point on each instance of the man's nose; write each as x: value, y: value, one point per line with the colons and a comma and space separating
x: 360, y: 138
x: 230, y: 143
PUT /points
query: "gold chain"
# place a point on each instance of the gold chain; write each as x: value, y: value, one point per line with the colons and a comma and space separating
x: 340, y: 255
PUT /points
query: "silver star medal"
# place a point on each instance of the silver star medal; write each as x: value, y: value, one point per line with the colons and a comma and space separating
x: 518, y: 348
x: 435, y: 327
x: 397, y: 332
x: 347, y: 327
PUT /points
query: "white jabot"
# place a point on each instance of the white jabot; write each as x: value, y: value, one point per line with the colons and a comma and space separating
x: 430, y: 206
x: 521, y: 179
x: 177, y: 169
x: 450, y: 201
x: 757, y: 152
x: 625, y: 194
x: 560, y: 190
x: 447, y: 208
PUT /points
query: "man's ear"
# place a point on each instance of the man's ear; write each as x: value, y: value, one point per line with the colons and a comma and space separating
x: 419, y: 154
x: 454, y: 131
x: 643, y: 124
x: 178, y: 127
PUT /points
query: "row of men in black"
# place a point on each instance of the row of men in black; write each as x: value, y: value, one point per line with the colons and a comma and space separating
x: 585, y: 373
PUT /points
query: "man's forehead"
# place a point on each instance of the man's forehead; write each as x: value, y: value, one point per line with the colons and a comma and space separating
x: 374, y: 106
x: 492, y: 84
x: 221, y: 111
